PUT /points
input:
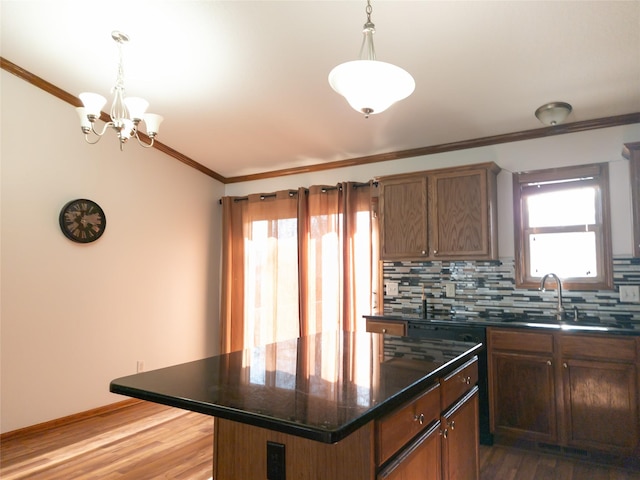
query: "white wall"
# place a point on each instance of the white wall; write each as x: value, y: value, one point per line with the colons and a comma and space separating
x: 595, y: 146
x: 74, y: 317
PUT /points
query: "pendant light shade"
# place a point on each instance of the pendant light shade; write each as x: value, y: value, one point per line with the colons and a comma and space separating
x: 370, y: 86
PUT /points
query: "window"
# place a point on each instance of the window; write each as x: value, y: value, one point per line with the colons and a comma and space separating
x: 562, y: 226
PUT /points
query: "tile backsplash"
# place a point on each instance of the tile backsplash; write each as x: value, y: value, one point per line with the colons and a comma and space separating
x: 488, y: 288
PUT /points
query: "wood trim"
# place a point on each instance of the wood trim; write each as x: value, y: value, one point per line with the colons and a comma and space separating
x: 585, y: 125
x: 67, y: 97
x: 59, y: 422
x: 632, y: 153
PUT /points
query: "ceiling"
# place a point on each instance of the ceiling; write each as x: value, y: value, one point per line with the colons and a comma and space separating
x: 243, y: 84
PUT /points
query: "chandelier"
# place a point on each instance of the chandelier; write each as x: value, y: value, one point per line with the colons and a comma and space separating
x: 370, y: 86
x: 126, y: 113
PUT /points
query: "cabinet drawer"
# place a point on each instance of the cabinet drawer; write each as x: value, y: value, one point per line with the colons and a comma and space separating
x: 456, y: 384
x: 394, y: 430
x: 392, y: 328
x: 598, y: 348
x: 520, y: 341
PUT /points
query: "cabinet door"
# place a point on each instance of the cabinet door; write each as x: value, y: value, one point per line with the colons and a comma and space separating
x: 461, y: 214
x: 601, y: 404
x: 403, y: 218
x: 420, y: 461
x: 522, y: 396
x: 460, y: 444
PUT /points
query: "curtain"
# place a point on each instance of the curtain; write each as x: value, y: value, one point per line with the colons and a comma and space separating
x: 297, y: 262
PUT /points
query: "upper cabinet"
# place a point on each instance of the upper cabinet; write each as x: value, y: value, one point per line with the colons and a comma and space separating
x: 447, y: 214
x: 632, y: 152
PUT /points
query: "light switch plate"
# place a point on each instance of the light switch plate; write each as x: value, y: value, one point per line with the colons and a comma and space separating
x: 630, y: 293
x: 450, y: 290
x: 392, y: 288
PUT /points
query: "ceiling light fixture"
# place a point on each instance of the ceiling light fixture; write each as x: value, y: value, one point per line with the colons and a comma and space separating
x: 126, y: 113
x: 553, y: 113
x: 368, y: 85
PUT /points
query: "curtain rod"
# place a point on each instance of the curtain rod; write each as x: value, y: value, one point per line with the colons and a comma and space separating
x: 306, y: 190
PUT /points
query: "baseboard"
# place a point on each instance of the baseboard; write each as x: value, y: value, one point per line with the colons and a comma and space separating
x: 626, y: 462
x: 58, y: 422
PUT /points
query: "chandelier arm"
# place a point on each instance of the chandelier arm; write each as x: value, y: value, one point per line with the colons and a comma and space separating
x: 142, y: 144
x: 86, y: 139
x: 104, y: 128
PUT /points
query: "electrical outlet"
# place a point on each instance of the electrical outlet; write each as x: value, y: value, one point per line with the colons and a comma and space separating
x: 276, y: 465
x: 630, y: 293
x: 140, y: 366
x: 392, y: 289
x: 450, y: 290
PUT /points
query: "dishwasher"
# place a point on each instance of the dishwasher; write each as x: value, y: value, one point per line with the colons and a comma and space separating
x: 464, y: 332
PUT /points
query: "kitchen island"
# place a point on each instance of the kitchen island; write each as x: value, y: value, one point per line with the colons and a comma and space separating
x: 330, y: 405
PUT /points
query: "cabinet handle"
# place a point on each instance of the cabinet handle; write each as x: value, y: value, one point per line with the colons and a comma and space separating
x: 444, y: 433
x: 419, y: 418
x: 452, y: 424
x: 565, y: 365
x: 384, y: 330
x: 549, y: 362
x: 435, y: 252
x: 424, y: 252
x: 466, y: 380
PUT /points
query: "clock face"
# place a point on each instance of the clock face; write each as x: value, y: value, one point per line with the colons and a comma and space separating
x: 82, y: 221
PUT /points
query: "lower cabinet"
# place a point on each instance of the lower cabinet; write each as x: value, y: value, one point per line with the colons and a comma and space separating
x: 565, y: 389
x: 599, y: 378
x: 447, y: 444
x: 461, y: 440
x: 417, y: 461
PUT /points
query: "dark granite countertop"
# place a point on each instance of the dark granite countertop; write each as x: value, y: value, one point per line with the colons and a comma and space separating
x: 321, y: 387
x: 590, y: 325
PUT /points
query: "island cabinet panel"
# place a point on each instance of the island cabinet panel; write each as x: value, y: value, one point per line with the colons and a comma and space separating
x: 396, y: 429
x: 578, y: 391
x: 240, y: 452
x: 440, y: 214
x: 459, y: 382
x: 461, y: 442
x: 420, y: 461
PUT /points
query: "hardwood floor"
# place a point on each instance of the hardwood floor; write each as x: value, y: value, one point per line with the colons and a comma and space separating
x: 145, y: 441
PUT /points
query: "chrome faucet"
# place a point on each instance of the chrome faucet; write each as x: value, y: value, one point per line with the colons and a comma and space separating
x: 560, y: 310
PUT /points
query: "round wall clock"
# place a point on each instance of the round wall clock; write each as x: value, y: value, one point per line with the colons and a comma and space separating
x: 82, y: 220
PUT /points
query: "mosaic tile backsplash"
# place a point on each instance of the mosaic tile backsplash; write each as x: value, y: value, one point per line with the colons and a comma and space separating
x: 487, y: 288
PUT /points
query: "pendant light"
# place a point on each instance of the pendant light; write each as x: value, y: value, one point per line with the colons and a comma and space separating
x: 370, y: 86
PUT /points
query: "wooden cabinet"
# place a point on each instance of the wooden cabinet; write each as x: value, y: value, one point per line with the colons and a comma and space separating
x: 599, y: 378
x: 440, y: 214
x: 387, y: 326
x: 403, y: 217
x: 572, y: 390
x: 460, y: 439
x: 521, y: 385
x: 435, y: 436
x: 419, y: 460
x: 632, y: 152
x: 396, y: 429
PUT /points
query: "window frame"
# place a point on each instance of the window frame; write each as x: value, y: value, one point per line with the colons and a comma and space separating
x: 596, y: 175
